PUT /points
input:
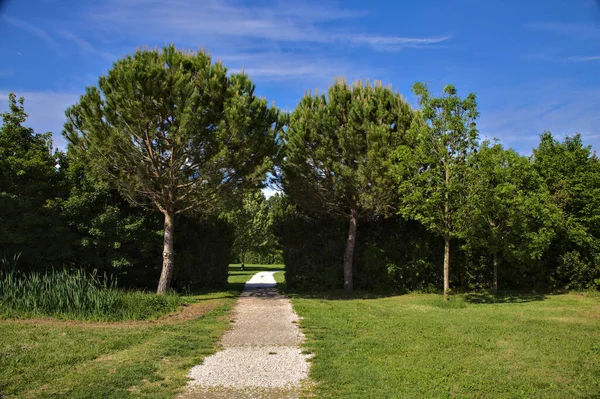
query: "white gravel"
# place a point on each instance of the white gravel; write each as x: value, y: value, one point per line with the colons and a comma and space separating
x: 261, y: 350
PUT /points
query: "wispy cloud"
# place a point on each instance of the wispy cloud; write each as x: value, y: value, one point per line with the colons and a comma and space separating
x: 574, y: 30
x: 280, y: 66
x: 519, y: 114
x: 86, y: 47
x: 279, y: 22
x: 33, y: 30
x: 583, y: 58
x: 395, y: 43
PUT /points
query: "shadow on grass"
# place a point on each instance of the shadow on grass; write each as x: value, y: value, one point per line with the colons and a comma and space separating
x: 456, y: 301
x: 507, y: 297
x: 335, y: 295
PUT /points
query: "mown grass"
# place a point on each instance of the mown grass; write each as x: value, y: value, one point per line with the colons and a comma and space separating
x: 415, y: 346
x: 49, y: 358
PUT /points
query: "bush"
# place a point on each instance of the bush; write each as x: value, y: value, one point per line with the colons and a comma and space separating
x: 390, y: 254
x: 202, y: 253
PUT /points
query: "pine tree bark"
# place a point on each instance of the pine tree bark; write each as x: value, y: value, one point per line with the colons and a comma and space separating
x: 168, y: 254
x: 349, y: 254
x: 446, y: 266
x: 495, y: 272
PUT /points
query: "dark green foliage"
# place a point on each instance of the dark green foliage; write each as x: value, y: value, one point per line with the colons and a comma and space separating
x: 399, y: 255
x: 312, y: 247
x: 509, y: 217
x: 571, y: 172
x: 203, y: 248
x: 107, y: 233
x: 29, y: 180
x: 391, y: 254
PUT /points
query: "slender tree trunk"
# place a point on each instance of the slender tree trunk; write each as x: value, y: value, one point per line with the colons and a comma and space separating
x: 495, y: 272
x: 447, y: 236
x: 168, y: 254
x: 349, y: 254
x: 446, y: 266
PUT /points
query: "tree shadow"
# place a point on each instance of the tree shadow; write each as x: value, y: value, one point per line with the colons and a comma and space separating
x: 336, y: 295
x: 504, y: 297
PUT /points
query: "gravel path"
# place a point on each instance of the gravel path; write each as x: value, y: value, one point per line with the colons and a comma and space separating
x: 261, y: 357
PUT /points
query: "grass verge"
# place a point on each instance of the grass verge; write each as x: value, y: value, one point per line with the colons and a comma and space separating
x: 49, y: 358
x: 414, y: 346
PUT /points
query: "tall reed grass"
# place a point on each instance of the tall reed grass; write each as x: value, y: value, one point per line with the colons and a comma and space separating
x: 74, y: 294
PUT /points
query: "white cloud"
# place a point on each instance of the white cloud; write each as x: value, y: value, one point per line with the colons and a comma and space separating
x: 279, y: 22
x: 584, y: 58
x: 46, y: 111
x: 395, y: 43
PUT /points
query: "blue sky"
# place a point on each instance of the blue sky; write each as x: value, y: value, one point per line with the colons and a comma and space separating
x: 534, y: 65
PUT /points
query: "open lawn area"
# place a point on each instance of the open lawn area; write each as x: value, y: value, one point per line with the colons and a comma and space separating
x: 413, y: 346
x: 48, y: 358
x: 408, y: 346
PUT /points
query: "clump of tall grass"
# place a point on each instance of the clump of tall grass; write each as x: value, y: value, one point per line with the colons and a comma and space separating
x: 74, y: 294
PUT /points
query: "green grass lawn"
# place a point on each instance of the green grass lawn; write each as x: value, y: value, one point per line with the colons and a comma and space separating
x: 413, y: 346
x: 49, y: 358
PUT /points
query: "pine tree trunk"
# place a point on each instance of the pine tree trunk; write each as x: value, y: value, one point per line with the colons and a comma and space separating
x: 446, y: 266
x: 168, y: 254
x: 349, y: 255
x: 495, y: 272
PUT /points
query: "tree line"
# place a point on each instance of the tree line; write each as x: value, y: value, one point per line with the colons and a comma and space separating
x: 170, y: 147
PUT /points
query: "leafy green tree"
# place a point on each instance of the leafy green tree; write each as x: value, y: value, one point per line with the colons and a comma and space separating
x: 252, y: 223
x: 28, y: 180
x: 509, y: 212
x: 572, y: 173
x: 176, y: 132
x: 337, y: 156
x: 446, y: 134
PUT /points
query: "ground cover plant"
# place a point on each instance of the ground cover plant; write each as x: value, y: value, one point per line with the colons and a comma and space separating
x: 46, y: 358
x: 418, y: 346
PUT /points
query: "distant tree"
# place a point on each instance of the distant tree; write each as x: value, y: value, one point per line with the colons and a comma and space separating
x: 29, y: 178
x: 174, y: 131
x: 252, y: 223
x: 337, y: 154
x: 446, y: 134
x: 508, y: 211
